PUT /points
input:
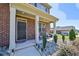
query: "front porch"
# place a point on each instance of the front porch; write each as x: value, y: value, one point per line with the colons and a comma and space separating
x: 30, y: 26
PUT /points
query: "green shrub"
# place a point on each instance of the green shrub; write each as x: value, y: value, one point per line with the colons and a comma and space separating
x: 63, y: 38
x: 72, y: 35
x: 44, y: 41
x: 55, y: 38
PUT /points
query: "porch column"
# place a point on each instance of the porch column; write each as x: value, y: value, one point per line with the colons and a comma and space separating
x: 37, y: 29
x: 54, y: 26
x: 12, y: 28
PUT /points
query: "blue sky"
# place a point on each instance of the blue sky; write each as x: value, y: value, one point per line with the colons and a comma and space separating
x: 68, y: 14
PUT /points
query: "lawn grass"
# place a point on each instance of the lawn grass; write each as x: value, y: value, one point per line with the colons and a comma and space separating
x: 66, y: 37
x: 60, y: 37
x: 77, y: 38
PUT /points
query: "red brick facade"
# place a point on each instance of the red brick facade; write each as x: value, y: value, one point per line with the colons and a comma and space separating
x: 4, y: 24
x: 31, y: 29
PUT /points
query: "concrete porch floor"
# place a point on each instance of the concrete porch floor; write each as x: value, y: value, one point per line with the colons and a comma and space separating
x: 26, y: 44
x: 26, y: 49
x: 30, y: 51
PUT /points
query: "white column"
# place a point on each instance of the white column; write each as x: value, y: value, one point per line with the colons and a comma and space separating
x: 12, y: 28
x: 37, y: 29
x: 54, y: 26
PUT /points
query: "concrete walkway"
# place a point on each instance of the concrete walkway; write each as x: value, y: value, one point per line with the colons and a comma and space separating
x: 30, y: 51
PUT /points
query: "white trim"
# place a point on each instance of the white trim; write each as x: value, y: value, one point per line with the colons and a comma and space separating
x: 54, y: 25
x: 12, y: 28
x: 20, y: 9
x: 37, y: 29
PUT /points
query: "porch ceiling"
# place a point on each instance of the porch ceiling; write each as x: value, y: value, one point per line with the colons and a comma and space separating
x: 23, y: 14
x: 42, y: 19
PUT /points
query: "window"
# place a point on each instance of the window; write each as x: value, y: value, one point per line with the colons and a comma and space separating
x: 41, y: 27
x: 47, y: 10
x: 40, y: 6
x: 34, y: 4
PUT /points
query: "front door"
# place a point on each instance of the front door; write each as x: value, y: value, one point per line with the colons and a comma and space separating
x: 21, y: 31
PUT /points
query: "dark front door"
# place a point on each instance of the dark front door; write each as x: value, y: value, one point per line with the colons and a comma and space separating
x: 21, y: 31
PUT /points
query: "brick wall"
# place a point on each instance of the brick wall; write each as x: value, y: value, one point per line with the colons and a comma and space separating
x: 48, y: 27
x: 31, y: 29
x: 4, y: 24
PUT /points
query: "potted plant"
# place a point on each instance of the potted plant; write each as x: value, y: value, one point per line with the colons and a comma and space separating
x: 55, y: 38
x: 63, y: 38
x: 44, y: 41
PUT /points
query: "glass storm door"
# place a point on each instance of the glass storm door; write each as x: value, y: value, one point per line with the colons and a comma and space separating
x: 21, y: 30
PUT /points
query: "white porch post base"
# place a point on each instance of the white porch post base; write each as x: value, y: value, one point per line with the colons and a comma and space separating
x: 12, y: 28
x: 37, y: 29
